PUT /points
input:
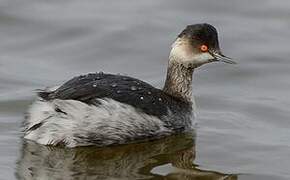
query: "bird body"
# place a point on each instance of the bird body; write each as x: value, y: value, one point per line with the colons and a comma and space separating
x: 104, y: 109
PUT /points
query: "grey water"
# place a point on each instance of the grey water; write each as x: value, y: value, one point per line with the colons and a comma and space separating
x: 243, y: 114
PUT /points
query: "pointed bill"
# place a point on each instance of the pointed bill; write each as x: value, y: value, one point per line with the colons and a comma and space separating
x: 223, y: 58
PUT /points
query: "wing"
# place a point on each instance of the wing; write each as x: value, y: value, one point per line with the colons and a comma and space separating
x: 91, y: 87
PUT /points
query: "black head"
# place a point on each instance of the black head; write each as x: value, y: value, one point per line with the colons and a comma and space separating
x: 198, y: 44
x: 201, y: 34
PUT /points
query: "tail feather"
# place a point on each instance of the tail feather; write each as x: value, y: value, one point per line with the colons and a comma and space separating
x: 44, y: 94
x: 47, y: 93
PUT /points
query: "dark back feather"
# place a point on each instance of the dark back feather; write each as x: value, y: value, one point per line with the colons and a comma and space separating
x: 89, y: 88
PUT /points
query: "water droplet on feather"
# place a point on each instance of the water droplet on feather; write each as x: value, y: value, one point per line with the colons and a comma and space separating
x: 133, y: 88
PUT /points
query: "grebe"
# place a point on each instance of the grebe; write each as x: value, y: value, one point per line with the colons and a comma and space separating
x: 104, y: 109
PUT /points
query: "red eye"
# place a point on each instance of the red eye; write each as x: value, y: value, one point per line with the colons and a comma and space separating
x: 203, y: 48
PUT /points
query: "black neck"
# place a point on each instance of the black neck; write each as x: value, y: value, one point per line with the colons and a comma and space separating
x: 179, y: 81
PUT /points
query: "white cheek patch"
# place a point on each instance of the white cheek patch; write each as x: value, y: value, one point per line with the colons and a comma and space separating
x: 201, y: 58
x: 181, y: 52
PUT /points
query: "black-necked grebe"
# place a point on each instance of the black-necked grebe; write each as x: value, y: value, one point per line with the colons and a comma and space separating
x: 104, y: 109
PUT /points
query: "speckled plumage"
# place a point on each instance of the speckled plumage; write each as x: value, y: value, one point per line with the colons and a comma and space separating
x: 94, y: 86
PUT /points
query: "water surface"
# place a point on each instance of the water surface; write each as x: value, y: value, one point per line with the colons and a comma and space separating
x: 242, y: 110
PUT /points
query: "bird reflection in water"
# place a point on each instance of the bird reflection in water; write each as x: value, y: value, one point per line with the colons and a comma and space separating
x: 133, y: 161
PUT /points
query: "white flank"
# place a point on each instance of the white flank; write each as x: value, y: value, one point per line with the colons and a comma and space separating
x: 112, y: 121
